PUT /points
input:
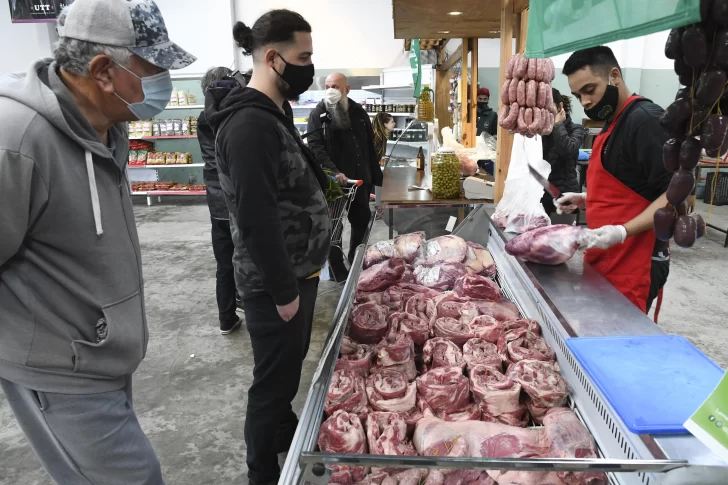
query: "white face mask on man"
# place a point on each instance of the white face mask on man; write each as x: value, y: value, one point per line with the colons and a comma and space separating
x: 332, y: 96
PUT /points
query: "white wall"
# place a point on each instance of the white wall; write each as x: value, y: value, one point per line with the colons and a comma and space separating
x: 22, y: 43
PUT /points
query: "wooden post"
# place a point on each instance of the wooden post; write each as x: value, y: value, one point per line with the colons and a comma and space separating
x: 442, y: 91
x: 505, y: 139
x: 472, y: 140
x: 464, y: 105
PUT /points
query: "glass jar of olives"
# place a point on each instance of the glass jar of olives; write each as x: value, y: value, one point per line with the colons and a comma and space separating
x: 446, y: 174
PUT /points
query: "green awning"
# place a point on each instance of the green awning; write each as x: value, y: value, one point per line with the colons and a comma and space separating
x: 561, y: 26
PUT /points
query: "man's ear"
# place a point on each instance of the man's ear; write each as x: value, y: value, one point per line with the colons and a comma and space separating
x: 269, y: 57
x: 101, y: 71
x: 348, y: 89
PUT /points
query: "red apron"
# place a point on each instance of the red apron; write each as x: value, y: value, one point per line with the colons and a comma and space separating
x: 610, y: 202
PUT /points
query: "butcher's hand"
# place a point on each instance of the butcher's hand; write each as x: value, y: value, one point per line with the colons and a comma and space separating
x: 287, y: 312
x: 342, y: 179
x: 603, y: 238
x: 569, y: 202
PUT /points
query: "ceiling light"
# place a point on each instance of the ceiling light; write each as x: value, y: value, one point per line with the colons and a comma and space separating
x: 454, y: 13
x: 443, y: 31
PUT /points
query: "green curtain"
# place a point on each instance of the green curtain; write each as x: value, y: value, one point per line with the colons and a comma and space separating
x: 561, y: 26
x: 414, y: 56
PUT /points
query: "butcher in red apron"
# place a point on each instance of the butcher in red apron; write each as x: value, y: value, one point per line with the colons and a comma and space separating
x: 626, y: 179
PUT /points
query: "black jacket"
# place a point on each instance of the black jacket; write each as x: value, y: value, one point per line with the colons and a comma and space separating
x: 279, y: 217
x: 342, y: 150
x: 215, y: 196
x: 487, y: 121
x: 561, y: 150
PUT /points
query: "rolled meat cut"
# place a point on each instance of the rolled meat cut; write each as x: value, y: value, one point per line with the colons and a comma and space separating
x: 547, y: 245
x: 477, y: 352
x: 344, y: 433
x: 417, y: 328
x: 382, y: 275
x: 487, y: 328
x: 445, y: 389
x: 449, y: 306
x: 368, y: 323
x: 471, y: 412
x: 439, y: 275
x: 453, y: 330
x: 498, y: 396
x: 440, y: 352
x: 445, y: 249
x: 367, y: 297
x: 543, y: 384
x: 422, y: 306
x: 395, y: 297
x: 378, y: 252
x: 395, y: 349
x: 348, y: 346
x: 479, y: 260
x: 410, y: 246
x: 520, y: 344
x: 503, y: 310
x: 478, y: 288
x: 389, y: 390
x: 346, y: 392
x: 360, y: 361
x: 387, y: 435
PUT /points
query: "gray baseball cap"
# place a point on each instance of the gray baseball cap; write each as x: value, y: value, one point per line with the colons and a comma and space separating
x: 135, y: 24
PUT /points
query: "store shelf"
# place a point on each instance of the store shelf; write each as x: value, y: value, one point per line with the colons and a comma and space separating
x: 175, y: 137
x: 152, y: 193
x: 301, y: 106
x: 410, y: 115
x: 171, y: 165
x: 407, y: 143
x: 191, y: 106
x: 381, y: 87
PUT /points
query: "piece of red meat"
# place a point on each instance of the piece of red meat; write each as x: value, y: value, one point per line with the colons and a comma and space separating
x: 410, y: 246
x: 389, y: 390
x: 360, y: 361
x: 409, y: 274
x: 520, y: 344
x: 381, y: 275
x: 347, y: 475
x: 417, y: 328
x: 486, y: 328
x: 471, y: 412
x: 468, y: 311
x: 408, y: 368
x: 479, y: 260
x: 411, y: 476
x: 478, y: 288
x: 449, y: 306
x: 543, y: 384
x: 436, y: 477
x: 395, y: 349
x: 468, y: 477
x: 451, y: 249
x: 429, y: 292
x: 387, y: 435
x: 547, y: 245
x: 445, y: 389
x: 422, y: 306
x: 346, y: 392
x: 378, y: 252
x: 395, y: 297
x: 344, y: 433
x: 440, y: 352
x: 477, y: 352
x: 367, y: 297
x: 348, y: 346
x: 500, y: 310
x: 368, y: 323
x: 439, y: 276
x: 569, y: 438
x: 373, y: 479
x: 453, y: 330
x: 498, y: 396
x: 531, y: 325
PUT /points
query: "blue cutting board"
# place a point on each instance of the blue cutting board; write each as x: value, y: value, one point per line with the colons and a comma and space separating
x: 654, y: 383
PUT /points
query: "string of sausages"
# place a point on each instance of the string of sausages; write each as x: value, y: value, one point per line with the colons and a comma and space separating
x: 528, y: 104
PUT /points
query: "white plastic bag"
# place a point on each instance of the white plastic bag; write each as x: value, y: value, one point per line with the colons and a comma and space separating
x: 468, y: 156
x: 520, y: 209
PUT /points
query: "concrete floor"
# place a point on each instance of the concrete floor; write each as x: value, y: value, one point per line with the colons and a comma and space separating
x: 190, y: 392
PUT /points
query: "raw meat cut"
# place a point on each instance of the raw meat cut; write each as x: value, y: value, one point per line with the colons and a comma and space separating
x: 498, y: 396
x: 502, y: 310
x: 440, y: 352
x: 468, y: 477
x: 471, y: 412
x: 435, y: 477
x: 409, y: 246
x: 346, y: 392
x: 547, y: 245
x: 543, y: 384
x: 394, y: 349
x: 449, y: 306
x: 477, y: 352
x: 348, y: 346
x: 408, y: 368
x: 413, y: 476
x: 344, y: 433
x: 478, y: 288
x: 429, y: 292
x: 347, y: 475
x: 486, y: 328
x: 367, y: 297
x: 531, y: 325
x: 455, y: 447
x: 453, y: 330
x: 468, y: 311
x: 445, y: 389
x: 389, y: 390
x: 520, y: 344
x: 368, y: 323
x: 450, y: 249
x: 395, y: 298
x: 378, y: 252
x: 381, y: 275
x: 373, y: 479
x: 479, y: 260
x: 387, y: 435
x: 417, y: 328
x: 439, y: 276
x: 360, y: 361
x: 570, y: 439
x: 409, y: 274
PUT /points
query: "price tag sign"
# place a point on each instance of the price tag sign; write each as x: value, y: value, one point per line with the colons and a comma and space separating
x: 710, y: 422
x: 451, y: 224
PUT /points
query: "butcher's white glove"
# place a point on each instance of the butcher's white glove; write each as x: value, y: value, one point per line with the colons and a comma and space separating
x: 569, y: 202
x: 603, y: 238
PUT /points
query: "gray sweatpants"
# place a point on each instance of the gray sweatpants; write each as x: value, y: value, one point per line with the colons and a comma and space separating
x: 85, y: 439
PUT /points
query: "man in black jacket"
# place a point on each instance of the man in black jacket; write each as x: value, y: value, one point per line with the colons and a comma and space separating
x: 347, y: 149
x: 279, y: 221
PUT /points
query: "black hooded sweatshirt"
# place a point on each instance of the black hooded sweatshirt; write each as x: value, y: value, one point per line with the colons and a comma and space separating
x: 279, y: 217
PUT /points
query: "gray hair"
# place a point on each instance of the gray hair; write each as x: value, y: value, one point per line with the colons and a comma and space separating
x: 214, y: 74
x: 75, y: 55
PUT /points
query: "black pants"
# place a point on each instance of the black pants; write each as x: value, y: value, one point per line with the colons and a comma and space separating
x: 279, y: 349
x: 223, y: 247
x: 359, y: 217
x: 658, y: 277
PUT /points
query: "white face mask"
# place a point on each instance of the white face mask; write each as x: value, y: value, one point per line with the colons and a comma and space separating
x: 332, y: 96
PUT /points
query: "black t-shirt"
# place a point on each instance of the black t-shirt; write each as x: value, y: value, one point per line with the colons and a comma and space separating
x: 633, y: 153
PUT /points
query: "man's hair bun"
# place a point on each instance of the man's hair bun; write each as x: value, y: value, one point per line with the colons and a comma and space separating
x: 243, y: 36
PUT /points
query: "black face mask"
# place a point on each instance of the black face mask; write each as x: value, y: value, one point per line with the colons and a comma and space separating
x: 482, y: 106
x: 606, y: 107
x: 298, y: 78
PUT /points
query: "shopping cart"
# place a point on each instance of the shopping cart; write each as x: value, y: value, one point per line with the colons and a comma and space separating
x: 339, y: 211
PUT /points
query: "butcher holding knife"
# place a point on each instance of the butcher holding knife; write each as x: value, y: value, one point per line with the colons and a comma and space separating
x: 626, y: 180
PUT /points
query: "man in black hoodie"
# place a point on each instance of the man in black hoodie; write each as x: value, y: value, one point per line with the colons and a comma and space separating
x: 279, y: 221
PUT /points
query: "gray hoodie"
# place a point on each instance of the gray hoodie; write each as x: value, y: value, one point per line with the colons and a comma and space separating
x: 72, y: 314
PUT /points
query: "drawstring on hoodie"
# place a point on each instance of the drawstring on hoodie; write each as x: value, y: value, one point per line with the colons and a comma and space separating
x: 95, y: 205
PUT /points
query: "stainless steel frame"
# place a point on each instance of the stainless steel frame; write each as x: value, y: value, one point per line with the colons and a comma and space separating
x: 629, y: 459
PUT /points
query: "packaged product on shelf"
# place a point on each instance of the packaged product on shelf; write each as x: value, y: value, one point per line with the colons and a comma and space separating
x: 156, y: 131
x: 186, y: 126
x: 170, y: 158
x: 193, y: 126
x: 163, y: 128
x: 159, y: 158
x: 132, y: 157
x: 170, y: 127
x: 142, y: 157
x: 146, y: 128
x: 173, y: 101
x: 177, y: 127
x: 191, y: 99
x: 181, y: 98
x: 181, y: 158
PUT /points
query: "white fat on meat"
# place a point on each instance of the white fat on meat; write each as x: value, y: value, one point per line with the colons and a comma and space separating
x: 451, y: 249
x: 389, y: 390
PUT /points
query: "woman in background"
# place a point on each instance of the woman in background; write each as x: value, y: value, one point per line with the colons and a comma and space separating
x: 561, y: 150
x: 383, y: 126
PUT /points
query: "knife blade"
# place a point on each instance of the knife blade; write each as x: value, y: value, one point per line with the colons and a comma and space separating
x: 548, y: 186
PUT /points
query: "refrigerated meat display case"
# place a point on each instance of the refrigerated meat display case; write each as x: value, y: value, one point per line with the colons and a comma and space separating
x: 569, y: 300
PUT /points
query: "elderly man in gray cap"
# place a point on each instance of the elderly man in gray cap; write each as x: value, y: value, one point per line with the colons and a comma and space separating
x: 72, y: 323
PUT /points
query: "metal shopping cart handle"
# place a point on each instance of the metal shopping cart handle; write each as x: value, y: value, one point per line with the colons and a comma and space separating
x: 358, y: 183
